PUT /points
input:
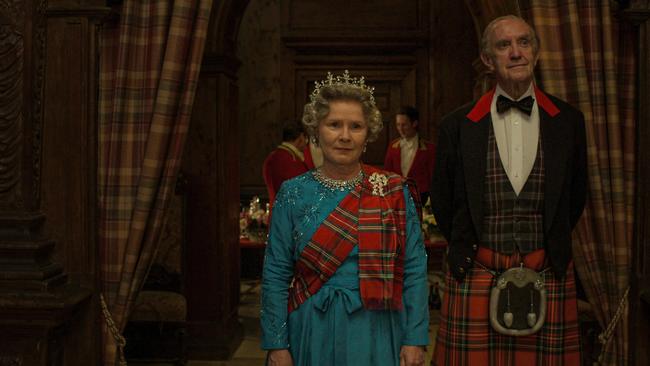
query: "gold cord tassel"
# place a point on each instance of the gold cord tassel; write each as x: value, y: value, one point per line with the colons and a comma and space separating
x: 119, y: 339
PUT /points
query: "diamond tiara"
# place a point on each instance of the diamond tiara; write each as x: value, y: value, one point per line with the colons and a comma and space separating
x: 344, y: 79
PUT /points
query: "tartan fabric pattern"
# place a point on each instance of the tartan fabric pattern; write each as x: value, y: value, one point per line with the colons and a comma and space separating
x: 149, y: 68
x: 378, y: 225
x: 512, y: 222
x: 588, y: 58
x: 382, y: 240
x: 465, y: 336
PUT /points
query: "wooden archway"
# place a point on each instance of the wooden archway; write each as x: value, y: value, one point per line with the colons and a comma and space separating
x: 211, y: 166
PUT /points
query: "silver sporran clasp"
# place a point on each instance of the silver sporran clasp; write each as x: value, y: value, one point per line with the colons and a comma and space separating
x: 518, y: 302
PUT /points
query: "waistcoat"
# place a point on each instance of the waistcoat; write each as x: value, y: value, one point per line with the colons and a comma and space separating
x: 512, y: 222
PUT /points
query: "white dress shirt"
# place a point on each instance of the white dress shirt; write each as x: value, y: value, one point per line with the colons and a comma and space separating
x: 408, y: 148
x: 517, y: 137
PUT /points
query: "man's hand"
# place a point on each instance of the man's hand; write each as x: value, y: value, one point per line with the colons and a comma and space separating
x: 411, y: 356
x: 282, y: 357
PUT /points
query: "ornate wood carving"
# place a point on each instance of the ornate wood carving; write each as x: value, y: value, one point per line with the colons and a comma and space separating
x: 37, y: 303
x: 18, y: 175
x: 26, y: 256
x: 38, y: 60
x: 11, y: 101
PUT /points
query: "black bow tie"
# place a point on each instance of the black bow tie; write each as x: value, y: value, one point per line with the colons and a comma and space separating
x: 525, y: 105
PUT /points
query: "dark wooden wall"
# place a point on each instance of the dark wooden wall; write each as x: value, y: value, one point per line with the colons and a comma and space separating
x: 48, y: 268
x: 69, y: 154
x: 211, y: 168
x: 638, y: 13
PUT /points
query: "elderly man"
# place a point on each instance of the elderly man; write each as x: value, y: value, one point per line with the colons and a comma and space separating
x: 508, y: 187
x: 410, y: 155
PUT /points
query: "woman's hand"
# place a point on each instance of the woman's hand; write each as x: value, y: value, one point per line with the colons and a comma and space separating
x: 412, y: 356
x: 282, y: 357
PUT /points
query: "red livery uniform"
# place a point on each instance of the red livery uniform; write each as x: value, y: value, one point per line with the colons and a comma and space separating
x: 283, y: 163
x: 421, y: 168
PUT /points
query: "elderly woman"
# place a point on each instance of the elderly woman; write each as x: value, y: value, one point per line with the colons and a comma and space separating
x: 344, y: 280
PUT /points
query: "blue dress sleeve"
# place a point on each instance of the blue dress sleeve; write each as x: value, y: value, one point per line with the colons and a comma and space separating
x: 416, y: 290
x: 277, y: 273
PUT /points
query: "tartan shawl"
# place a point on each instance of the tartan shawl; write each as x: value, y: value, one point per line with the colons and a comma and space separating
x: 378, y: 225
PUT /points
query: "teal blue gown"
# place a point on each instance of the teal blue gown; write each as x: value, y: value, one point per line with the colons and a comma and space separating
x: 332, y: 327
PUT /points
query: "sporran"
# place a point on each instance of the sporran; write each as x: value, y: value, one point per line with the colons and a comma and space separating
x: 518, y: 302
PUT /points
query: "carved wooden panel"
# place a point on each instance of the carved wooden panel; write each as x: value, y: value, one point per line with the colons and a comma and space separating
x: 341, y: 16
x: 211, y: 165
x: 453, y: 48
x: 261, y: 88
x: 26, y: 337
x: 639, y: 352
x: 64, y: 154
x: 69, y: 144
x: 641, y: 17
x: 38, y: 49
x: 11, y: 101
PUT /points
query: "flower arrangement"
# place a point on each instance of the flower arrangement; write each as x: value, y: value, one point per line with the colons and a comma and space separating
x: 254, y: 221
x: 429, y: 224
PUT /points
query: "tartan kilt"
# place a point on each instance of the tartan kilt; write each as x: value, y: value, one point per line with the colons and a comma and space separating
x: 465, y: 336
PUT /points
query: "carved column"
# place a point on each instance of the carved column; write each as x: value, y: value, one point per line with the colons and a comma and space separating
x: 39, y: 306
x: 451, y: 56
x: 638, y: 13
x: 211, y: 166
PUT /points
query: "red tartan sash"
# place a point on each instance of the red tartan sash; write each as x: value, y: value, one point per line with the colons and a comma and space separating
x: 378, y: 225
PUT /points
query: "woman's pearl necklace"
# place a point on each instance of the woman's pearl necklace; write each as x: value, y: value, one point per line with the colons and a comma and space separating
x: 336, y: 184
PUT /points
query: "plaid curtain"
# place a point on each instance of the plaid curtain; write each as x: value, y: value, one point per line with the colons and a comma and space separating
x: 149, y: 68
x: 588, y: 59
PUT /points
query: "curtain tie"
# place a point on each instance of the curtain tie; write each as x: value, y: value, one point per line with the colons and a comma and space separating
x: 605, y: 336
x: 119, y: 338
